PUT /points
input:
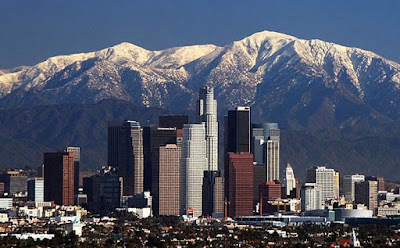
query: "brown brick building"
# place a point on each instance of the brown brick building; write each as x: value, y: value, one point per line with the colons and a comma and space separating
x: 59, y: 177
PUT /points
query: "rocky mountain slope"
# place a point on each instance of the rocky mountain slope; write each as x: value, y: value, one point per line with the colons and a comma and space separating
x: 334, y: 95
x: 270, y: 71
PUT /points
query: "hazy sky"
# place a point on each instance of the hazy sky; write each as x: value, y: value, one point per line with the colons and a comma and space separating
x: 33, y: 30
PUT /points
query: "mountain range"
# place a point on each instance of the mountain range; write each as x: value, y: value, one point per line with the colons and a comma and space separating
x: 336, y: 105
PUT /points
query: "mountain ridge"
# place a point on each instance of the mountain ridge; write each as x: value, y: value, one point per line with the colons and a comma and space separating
x: 338, y: 96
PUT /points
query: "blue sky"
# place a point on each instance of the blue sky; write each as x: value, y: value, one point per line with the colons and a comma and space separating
x: 33, y: 30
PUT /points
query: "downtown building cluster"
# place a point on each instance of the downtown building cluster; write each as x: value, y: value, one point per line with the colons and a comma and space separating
x: 180, y: 168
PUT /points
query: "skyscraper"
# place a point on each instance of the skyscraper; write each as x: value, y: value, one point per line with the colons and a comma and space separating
x: 36, y: 189
x: 265, y: 147
x: 259, y: 179
x: 193, y: 165
x: 207, y: 113
x: 59, y: 177
x: 176, y: 121
x: 238, y: 130
x: 153, y: 138
x: 103, y: 190
x: 14, y: 182
x: 77, y: 162
x: 125, y: 152
x: 310, y: 197
x: 166, y: 188
x: 367, y: 193
x: 349, y: 182
x: 325, y: 181
x: 336, y: 185
x: 269, y: 191
x: 237, y: 138
x: 240, y: 184
x: 289, y: 180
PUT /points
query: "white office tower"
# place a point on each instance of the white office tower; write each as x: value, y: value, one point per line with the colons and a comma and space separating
x: 349, y: 182
x: 193, y: 165
x: 265, y: 148
x: 36, y: 189
x: 207, y: 113
x: 289, y: 180
x: 310, y: 197
x: 325, y: 180
x: 272, y: 155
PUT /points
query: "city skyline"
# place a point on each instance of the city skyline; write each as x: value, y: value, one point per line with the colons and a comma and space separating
x: 199, y: 124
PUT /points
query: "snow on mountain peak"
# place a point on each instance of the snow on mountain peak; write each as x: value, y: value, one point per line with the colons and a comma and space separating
x: 129, y: 72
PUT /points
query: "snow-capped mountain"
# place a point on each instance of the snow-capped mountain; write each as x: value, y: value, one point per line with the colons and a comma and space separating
x: 304, y: 83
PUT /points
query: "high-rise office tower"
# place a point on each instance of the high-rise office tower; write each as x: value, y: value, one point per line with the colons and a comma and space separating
x: 193, y: 165
x: 367, y: 193
x: 36, y: 189
x: 125, y: 152
x: 349, y: 182
x: 310, y: 197
x: 213, y: 193
x: 381, y: 183
x: 14, y: 182
x: 1, y: 188
x: 176, y: 121
x: 103, y: 190
x: 240, y: 184
x: 259, y: 179
x: 289, y: 181
x: 207, y: 113
x: 77, y: 160
x: 265, y: 146
x: 153, y: 138
x: 238, y: 130
x: 59, y: 177
x: 166, y: 188
x: 218, y: 201
x: 237, y: 137
x: 269, y: 191
x: 272, y: 151
x: 336, y: 185
x: 325, y: 181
